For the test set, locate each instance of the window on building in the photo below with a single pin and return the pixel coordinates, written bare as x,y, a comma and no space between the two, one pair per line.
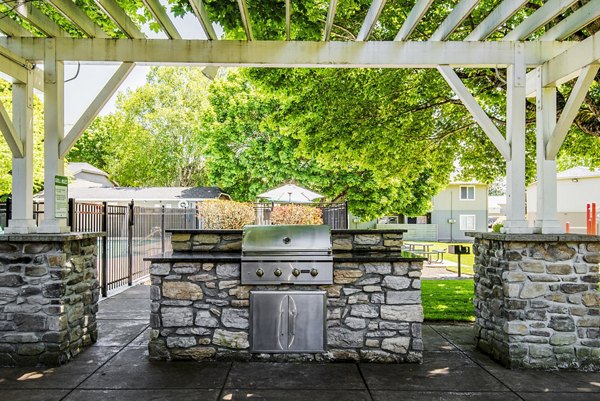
467,222
467,192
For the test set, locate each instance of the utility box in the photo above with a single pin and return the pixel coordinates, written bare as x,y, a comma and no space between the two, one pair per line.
459,249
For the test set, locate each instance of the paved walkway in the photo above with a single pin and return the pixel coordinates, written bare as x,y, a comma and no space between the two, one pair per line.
117,368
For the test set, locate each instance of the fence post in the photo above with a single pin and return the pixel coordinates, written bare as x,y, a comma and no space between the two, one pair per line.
104,272
130,245
346,218
71,218
162,228
8,209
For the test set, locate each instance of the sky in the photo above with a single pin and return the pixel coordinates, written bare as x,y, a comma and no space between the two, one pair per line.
80,92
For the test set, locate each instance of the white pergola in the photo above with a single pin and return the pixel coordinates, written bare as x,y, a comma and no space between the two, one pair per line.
534,66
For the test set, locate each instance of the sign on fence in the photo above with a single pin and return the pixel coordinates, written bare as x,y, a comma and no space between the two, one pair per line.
61,196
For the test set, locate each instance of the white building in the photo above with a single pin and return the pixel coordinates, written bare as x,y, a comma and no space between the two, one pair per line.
576,187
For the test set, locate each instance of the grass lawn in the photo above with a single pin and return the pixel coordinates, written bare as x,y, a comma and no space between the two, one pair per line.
466,261
448,300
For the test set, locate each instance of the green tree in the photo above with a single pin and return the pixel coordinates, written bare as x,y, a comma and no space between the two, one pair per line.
153,139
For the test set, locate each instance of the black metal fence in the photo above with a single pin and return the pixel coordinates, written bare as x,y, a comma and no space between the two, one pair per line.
135,232
334,214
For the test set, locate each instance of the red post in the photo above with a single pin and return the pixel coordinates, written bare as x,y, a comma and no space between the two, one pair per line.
568,227
588,219
594,226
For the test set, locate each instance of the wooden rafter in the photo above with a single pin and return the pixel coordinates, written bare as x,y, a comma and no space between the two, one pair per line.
202,16
79,18
414,17
574,22
120,17
160,15
497,17
11,28
535,21
245,19
456,17
38,19
370,20
329,20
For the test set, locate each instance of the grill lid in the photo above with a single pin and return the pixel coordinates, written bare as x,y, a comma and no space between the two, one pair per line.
286,238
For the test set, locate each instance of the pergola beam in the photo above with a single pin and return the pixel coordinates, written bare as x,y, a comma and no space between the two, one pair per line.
535,21
79,18
288,54
456,17
497,17
574,22
414,17
566,65
288,18
39,20
329,20
476,111
160,15
245,19
94,108
570,110
12,28
370,20
10,134
120,17
202,16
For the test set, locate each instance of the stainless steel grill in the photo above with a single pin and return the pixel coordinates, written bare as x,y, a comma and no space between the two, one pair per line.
287,254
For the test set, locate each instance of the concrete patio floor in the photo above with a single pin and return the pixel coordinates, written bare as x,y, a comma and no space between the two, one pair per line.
117,368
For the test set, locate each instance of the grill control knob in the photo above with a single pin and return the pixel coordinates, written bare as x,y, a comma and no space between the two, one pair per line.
260,272
296,272
314,272
278,272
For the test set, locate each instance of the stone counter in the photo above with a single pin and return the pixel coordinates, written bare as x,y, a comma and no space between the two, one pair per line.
48,297
201,311
536,301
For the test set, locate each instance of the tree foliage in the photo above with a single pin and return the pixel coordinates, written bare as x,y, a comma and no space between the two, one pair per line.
154,137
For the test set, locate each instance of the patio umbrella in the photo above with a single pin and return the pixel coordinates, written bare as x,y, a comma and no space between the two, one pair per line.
290,193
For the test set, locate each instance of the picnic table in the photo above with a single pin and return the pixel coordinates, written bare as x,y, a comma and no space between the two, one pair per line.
425,251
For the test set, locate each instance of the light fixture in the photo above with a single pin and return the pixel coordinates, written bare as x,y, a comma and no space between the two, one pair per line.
574,180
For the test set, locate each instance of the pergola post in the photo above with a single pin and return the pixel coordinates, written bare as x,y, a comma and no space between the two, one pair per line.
515,135
546,220
53,133
22,221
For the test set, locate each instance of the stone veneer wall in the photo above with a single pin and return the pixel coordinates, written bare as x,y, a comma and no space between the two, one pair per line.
201,311
48,297
537,301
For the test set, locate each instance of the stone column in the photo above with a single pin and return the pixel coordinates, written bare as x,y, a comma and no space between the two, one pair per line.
537,303
48,297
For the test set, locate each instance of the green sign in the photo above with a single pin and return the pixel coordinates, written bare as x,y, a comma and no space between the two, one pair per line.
61,196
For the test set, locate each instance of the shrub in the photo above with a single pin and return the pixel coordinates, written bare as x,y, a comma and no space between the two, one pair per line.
496,227
296,214
224,214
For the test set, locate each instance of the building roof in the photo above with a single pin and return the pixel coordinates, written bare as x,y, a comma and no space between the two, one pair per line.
578,172
77,167
144,194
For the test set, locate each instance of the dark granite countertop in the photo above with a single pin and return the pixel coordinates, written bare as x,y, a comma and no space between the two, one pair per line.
195,257
58,237
362,257
534,237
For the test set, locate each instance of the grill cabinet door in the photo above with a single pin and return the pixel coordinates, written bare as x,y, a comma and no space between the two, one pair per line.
306,322
287,321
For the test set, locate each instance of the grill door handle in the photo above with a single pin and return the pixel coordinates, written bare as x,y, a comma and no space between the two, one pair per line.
293,313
